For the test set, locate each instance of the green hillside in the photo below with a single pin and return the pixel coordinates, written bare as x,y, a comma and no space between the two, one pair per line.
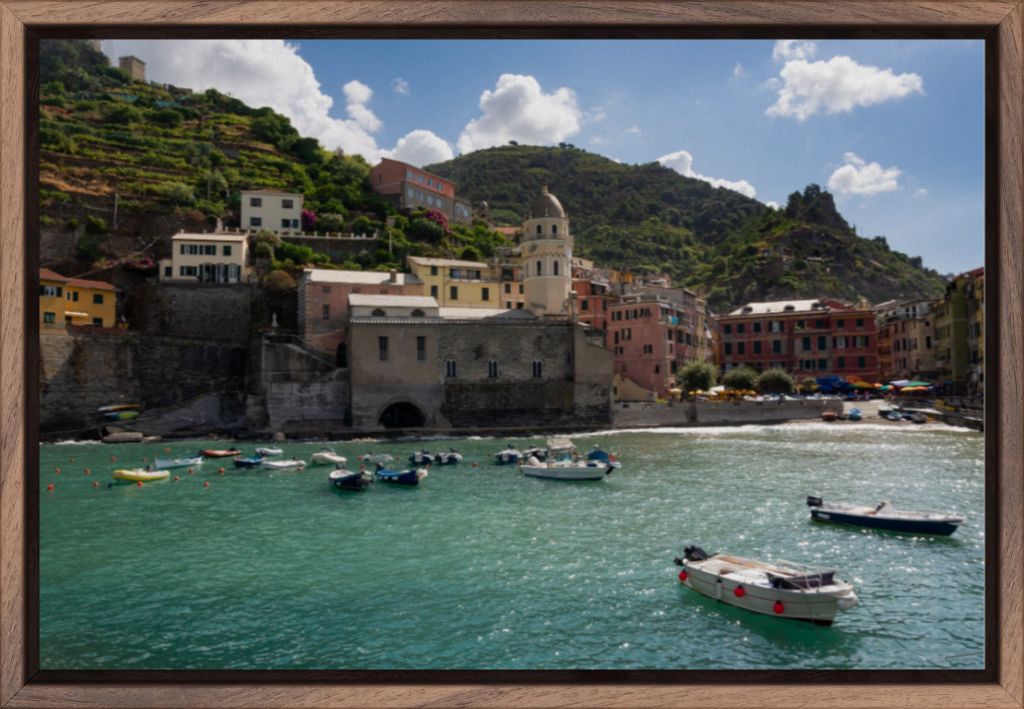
649,219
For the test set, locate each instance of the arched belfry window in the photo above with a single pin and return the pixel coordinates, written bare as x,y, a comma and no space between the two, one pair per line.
378,313
555,267
554,228
540,268
417,313
539,229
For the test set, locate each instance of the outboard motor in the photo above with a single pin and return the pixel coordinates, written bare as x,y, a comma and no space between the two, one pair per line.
814,501
695,553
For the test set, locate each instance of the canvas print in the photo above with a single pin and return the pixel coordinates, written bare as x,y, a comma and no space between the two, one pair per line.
423,354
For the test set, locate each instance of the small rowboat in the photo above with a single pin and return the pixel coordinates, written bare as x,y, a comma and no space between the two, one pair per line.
781,588
212,453
421,457
172,463
375,458
829,416
566,470
253,462
449,457
125,415
328,458
509,456
116,407
882,516
348,480
284,464
402,477
268,452
136,475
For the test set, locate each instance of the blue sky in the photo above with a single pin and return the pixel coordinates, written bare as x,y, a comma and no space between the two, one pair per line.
895,129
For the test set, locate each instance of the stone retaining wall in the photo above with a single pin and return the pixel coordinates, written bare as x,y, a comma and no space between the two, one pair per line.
705,413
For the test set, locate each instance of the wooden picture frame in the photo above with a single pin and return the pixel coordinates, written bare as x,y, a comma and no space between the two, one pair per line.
1000,23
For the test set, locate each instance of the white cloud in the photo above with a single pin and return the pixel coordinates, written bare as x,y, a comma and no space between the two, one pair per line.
682,162
737,70
421,147
400,86
863,178
635,130
595,114
786,49
262,72
837,86
518,109
921,192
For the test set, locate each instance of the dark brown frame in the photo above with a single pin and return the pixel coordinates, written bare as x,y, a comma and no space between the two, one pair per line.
23,22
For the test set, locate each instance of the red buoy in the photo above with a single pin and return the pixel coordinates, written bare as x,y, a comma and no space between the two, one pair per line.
778,607
190,471
206,483
683,576
176,478
138,483
50,487
220,470
740,592
95,483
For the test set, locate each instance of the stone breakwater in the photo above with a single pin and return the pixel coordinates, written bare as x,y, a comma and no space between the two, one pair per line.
715,413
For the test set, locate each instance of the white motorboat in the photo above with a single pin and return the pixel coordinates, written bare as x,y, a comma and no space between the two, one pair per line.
294,464
173,463
563,463
375,458
781,588
448,457
328,457
508,456
268,452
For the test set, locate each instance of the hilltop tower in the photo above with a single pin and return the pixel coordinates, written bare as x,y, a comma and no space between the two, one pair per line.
546,249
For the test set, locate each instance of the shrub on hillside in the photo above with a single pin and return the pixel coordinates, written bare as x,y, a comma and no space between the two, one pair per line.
167,117
122,115
278,282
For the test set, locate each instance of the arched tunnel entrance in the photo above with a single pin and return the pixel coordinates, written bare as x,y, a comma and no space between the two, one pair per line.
402,414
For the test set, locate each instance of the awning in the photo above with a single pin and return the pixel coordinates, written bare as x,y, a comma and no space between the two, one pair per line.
73,314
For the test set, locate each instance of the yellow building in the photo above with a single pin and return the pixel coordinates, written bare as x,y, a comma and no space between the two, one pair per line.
468,284
75,301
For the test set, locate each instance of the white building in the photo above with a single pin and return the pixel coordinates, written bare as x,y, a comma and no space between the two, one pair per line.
273,210
546,250
207,258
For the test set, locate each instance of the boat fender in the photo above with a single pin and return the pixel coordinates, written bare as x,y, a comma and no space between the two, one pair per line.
739,592
778,608
683,576
138,483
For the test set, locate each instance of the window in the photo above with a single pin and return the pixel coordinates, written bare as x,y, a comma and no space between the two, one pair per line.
861,362
417,313
485,294
822,364
255,202
56,291
326,312
168,271
727,329
492,369
740,328
433,270
554,228
757,347
326,289
450,369
287,204
822,342
648,349
382,344
72,296
421,348
453,292
806,344
255,221
519,306
50,318
227,250
756,326
97,322
97,299
819,323
776,346
842,363
378,313
540,268
188,271
728,348
840,323
520,289
433,291
538,369
508,305
860,323
286,223
741,348
555,268
508,287
539,231
584,305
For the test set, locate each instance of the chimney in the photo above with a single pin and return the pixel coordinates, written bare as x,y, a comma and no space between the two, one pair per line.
394,276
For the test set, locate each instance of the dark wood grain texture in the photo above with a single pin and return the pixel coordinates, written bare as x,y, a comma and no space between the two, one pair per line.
999,22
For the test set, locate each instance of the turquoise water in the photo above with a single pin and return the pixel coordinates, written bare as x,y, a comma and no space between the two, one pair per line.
483,568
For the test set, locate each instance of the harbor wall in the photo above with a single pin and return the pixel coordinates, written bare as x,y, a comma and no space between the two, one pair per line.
706,413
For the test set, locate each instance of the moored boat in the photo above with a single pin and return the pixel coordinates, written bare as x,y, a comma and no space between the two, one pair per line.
854,415
116,407
421,457
540,454
343,479
563,464
402,477
125,415
375,458
293,464
448,457
781,588
172,463
328,457
268,452
253,462
215,453
829,416
508,456
135,475
597,455
883,516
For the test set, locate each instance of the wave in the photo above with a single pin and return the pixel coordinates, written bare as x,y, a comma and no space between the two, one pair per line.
793,427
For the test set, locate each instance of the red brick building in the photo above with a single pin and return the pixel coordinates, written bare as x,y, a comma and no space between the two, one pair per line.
806,338
409,187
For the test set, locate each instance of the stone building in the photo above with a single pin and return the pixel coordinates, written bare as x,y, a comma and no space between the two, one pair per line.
906,340
133,67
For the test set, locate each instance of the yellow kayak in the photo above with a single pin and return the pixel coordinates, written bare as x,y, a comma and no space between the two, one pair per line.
140,475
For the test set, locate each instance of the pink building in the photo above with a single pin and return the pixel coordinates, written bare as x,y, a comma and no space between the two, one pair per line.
409,187
592,298
323,303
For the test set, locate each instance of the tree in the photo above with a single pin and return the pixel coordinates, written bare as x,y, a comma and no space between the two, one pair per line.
308,220
330,222
424,230
698,374
278,282
740,378
774,381
470,253
122,115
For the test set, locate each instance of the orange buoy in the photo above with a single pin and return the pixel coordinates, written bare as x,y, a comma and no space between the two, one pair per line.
138,483
176,478
86,472
206,483
50,487
57,470
190,471
95,483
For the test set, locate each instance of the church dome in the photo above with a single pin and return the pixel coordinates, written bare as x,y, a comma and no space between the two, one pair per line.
546,206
